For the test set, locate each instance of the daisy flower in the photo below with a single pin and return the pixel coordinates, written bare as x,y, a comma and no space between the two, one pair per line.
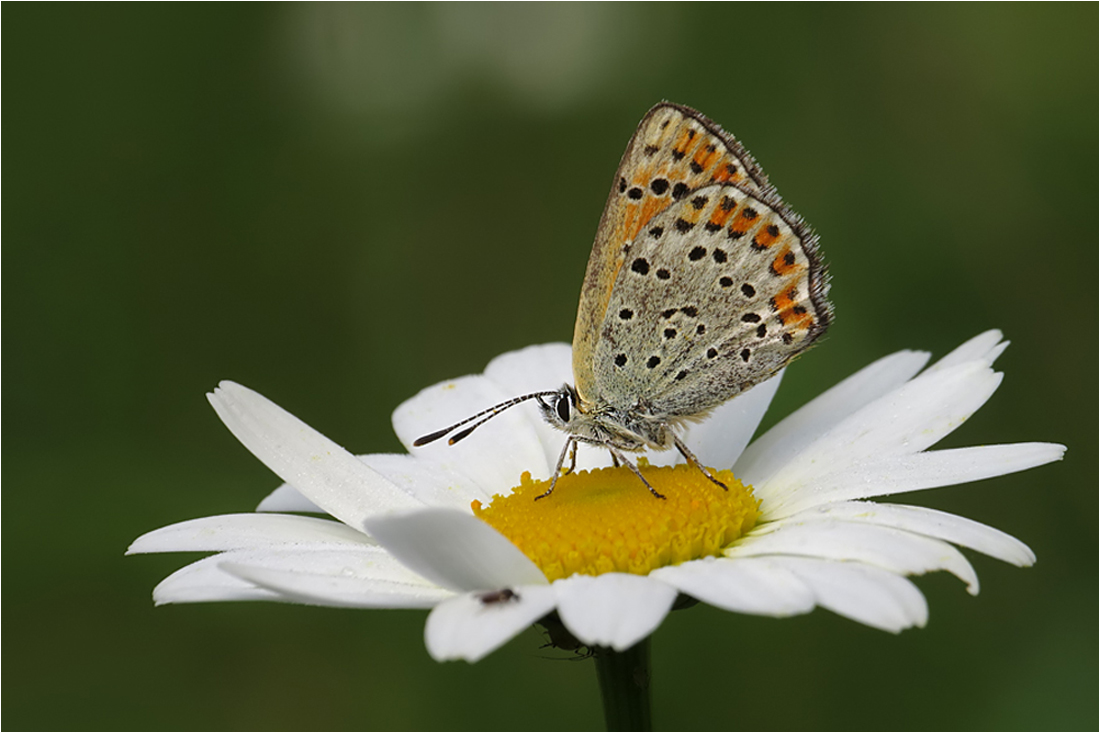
454,527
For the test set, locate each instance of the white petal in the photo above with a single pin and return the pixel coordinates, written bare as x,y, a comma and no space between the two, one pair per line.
899,474
863,593
325,473
238,531
719,440
791,435
433,484
203,581
614,609
993,354
892,549
494,456
358,576
344,589
929,522
467,627
533,369
908,420
745,585
983,347
455,550
286,498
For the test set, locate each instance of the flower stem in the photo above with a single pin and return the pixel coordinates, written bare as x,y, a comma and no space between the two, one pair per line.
624,686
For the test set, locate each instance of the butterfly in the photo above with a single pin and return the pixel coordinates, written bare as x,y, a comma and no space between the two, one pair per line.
701,284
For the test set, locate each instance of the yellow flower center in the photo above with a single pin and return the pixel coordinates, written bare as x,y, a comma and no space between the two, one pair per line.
606,521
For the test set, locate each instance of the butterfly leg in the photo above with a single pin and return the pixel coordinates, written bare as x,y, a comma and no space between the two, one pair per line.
623,459
695,462
614,459
572,459
570,444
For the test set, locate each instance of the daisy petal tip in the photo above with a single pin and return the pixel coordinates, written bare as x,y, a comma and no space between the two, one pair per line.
616,610
470,626
899,627
440,653
440,647
220,401
143,545
1025,557
997,350
228,385
218,393
993,337
445,650
166,594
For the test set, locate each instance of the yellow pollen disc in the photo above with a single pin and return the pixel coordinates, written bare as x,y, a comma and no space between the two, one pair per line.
607,521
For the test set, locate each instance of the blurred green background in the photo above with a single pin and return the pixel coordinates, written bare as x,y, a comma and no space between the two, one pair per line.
340,205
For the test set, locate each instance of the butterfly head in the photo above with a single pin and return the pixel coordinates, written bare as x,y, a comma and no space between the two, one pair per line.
567,411
560,408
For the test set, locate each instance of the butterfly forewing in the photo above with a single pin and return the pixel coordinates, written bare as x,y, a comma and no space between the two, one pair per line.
675,151
701,284
717,293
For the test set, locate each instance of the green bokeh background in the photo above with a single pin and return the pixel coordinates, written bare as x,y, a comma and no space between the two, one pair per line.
339,206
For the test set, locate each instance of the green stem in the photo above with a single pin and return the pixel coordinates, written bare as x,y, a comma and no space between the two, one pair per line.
624,686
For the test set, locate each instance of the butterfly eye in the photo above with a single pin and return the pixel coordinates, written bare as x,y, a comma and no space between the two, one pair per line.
562,407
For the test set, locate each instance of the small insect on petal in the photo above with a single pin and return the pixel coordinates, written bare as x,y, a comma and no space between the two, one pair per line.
493,597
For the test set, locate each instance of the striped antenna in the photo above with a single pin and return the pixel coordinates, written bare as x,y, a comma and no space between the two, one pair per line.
485,416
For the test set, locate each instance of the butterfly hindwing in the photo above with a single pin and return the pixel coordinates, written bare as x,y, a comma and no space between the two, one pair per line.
675,151
718,292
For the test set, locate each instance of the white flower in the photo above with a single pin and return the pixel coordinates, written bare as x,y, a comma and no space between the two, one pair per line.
406,535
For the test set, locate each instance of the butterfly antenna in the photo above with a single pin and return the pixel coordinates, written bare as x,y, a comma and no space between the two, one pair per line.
484,415
463,433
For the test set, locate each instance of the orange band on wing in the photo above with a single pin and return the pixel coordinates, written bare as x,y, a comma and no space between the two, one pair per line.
727,173
785,263
765,237
688,139
705,157
637,216
793,315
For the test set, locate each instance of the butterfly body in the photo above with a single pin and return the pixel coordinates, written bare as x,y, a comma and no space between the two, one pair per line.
701,284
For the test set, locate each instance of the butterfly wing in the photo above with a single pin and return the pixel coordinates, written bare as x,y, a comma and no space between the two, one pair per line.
718,293
675,150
